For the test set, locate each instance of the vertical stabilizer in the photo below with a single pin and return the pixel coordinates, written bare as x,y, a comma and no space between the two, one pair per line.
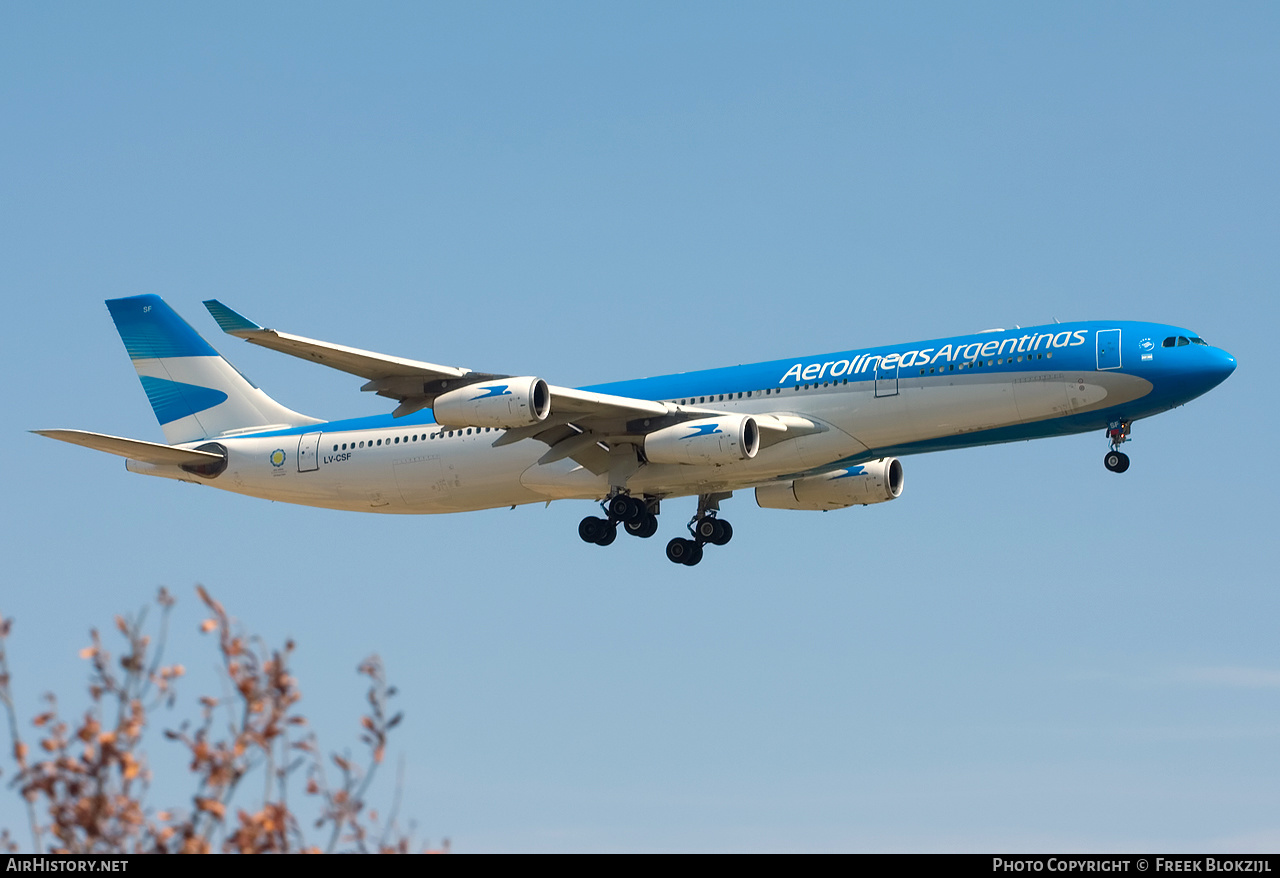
195,393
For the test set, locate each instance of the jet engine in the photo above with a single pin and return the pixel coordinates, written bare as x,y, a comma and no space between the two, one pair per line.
503,402
710,441
864,484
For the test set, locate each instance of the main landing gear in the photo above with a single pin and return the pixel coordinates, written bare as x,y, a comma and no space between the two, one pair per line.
705,527
1118,433
638,517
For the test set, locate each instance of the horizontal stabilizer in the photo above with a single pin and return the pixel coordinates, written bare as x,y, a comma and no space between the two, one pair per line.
134,449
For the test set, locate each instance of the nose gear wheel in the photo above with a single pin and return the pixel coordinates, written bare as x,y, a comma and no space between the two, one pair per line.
1117,434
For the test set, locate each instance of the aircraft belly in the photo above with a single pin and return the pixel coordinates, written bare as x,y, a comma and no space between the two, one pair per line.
875,421
928,409
469,475
1094,390
961,407
564,480
422,480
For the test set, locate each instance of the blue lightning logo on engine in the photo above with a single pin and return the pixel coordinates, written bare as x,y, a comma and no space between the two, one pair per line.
495,390
851,471
703,430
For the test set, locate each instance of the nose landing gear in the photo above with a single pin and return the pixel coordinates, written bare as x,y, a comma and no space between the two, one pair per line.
1118,433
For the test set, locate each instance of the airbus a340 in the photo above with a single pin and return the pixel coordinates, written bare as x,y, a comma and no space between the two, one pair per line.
813,432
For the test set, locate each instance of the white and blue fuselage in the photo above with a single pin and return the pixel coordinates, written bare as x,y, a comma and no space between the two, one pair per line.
872,403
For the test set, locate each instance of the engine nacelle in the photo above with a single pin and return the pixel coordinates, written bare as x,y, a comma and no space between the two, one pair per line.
502,402
708,442
866,483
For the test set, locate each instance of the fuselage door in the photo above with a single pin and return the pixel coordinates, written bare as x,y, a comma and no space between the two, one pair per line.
1108,349
308,452
887,379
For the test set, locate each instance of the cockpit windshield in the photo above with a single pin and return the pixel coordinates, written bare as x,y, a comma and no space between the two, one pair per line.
1180,340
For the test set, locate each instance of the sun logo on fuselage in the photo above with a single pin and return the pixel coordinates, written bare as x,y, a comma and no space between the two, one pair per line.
277,457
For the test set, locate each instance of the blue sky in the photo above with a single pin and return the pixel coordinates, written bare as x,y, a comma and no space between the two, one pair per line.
1024,652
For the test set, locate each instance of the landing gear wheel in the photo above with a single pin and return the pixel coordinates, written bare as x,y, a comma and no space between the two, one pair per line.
726,533
626,509
1116,461
646,527
591,528
597,530
695,556
682,551
610,534
715,531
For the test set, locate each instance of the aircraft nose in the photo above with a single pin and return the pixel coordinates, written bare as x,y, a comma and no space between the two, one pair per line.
1222,364
1216,365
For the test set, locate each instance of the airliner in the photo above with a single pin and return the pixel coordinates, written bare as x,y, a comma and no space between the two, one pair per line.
805,433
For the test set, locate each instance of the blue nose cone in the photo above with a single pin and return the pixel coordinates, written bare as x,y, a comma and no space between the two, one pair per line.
1208,368
1219,364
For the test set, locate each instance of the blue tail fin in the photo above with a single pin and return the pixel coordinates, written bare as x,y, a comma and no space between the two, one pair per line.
195,393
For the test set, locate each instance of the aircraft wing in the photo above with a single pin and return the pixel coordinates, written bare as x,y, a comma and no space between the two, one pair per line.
134,449
413,382
581,424
366,364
